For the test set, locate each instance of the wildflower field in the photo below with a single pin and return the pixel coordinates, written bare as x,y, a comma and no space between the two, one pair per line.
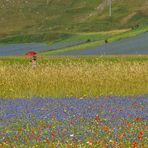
74,122
90,101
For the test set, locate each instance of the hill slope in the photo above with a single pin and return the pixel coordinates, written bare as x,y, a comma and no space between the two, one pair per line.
133,45
43,20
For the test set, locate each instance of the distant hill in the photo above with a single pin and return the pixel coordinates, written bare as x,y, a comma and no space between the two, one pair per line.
44,20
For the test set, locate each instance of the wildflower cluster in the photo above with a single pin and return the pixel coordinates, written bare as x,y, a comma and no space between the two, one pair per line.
102,121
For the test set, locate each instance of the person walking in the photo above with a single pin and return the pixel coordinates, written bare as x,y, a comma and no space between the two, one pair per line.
34,63
33,55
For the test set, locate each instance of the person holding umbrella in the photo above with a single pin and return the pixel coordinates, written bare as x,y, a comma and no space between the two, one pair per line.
33,55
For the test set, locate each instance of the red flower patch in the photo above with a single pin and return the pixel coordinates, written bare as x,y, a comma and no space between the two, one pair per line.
97,118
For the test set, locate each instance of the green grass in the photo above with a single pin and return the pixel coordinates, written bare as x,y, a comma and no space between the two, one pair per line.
74,76
37,21
37,37
65,60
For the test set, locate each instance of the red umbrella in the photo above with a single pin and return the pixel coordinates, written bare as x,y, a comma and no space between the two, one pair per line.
31,53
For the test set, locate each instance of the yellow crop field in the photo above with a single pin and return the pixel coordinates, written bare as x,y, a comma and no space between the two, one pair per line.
81,79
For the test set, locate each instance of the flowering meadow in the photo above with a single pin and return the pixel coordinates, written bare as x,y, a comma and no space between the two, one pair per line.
74,122
54,104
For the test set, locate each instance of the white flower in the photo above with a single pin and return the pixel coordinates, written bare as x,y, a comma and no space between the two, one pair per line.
71,135
110,140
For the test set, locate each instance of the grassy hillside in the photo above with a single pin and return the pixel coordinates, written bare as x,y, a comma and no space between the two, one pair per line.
44,20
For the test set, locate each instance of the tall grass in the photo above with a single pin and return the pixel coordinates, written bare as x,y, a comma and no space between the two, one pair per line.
75,79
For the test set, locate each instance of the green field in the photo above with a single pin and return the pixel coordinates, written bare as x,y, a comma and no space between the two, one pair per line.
74,76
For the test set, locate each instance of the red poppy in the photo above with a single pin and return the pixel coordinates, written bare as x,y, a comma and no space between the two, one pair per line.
141,133
52,134
115,142
119,137
129,125
97,118
134,143
137,119
139,137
